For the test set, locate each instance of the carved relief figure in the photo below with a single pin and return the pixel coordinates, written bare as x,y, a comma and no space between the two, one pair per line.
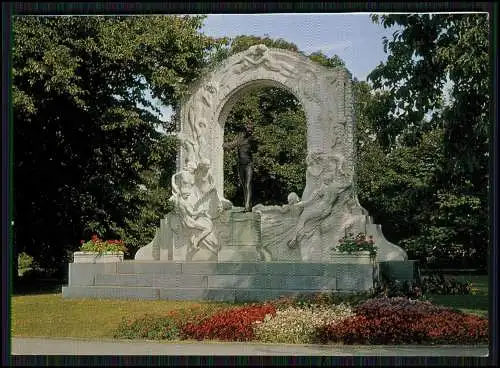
259,55
208,199
309,86
316,209
208,94
198,127
192,206
191,148
293,207
315,167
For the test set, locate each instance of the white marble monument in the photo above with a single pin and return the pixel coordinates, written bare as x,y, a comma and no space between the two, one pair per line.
204,226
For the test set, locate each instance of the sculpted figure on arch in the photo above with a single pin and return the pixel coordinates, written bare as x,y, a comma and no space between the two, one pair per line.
196,204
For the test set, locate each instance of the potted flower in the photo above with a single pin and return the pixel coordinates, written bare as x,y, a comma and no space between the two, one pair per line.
97,250
352,247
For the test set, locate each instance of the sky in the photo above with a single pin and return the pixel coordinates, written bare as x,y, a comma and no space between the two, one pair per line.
352,36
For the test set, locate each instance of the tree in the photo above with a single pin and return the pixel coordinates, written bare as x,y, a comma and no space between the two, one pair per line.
85,135
443,144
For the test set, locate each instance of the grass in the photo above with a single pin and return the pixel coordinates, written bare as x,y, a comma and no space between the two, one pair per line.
46,314
474,304
49,315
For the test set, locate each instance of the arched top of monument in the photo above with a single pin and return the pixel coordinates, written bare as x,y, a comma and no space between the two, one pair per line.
290,57
324,93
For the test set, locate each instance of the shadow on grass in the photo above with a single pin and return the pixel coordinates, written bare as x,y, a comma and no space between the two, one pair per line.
37,286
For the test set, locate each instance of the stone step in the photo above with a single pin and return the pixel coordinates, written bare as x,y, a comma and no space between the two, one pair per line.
150,293
219,281
230,268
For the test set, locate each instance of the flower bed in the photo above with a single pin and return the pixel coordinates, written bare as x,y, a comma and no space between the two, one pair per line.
234,324
405,321
374,321
295,325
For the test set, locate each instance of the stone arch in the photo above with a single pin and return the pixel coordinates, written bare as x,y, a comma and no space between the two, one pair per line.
325,95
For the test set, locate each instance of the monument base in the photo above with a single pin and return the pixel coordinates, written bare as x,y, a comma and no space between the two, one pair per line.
245,242
218,281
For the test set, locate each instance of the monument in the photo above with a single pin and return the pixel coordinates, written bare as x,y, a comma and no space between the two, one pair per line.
226,252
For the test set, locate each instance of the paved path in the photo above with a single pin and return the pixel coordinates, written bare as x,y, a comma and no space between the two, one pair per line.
43,346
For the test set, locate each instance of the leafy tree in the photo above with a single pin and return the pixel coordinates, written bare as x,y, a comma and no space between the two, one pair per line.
85,135
431,150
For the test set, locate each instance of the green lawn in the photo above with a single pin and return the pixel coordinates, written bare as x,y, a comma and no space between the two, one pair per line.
49,315
474,304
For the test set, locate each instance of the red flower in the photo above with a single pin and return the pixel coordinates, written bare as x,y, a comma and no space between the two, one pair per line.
82,241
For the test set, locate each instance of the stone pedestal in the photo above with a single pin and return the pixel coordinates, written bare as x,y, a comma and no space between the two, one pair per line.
219,281
245,240
95,257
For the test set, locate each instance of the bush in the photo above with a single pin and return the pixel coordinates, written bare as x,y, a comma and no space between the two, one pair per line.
384,307
149,327
167,327
298,325
438,284
432,284
405,321
24,262
234,324
396,288
322,299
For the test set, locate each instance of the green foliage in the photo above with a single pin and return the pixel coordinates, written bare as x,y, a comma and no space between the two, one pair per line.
243,42
148,327
438,284
85,132
422,168
25,261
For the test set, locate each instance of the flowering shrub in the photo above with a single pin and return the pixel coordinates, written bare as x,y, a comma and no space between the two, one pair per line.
298,325
359,243
405,321
384,307
166,327
234,324
96,244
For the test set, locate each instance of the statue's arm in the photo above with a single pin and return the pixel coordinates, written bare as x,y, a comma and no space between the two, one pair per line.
175,188
230,145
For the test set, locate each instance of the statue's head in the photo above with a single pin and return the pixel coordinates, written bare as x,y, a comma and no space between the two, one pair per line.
247,126
293,198
203,166
190,167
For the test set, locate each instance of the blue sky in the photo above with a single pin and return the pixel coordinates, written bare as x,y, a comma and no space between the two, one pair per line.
353,37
